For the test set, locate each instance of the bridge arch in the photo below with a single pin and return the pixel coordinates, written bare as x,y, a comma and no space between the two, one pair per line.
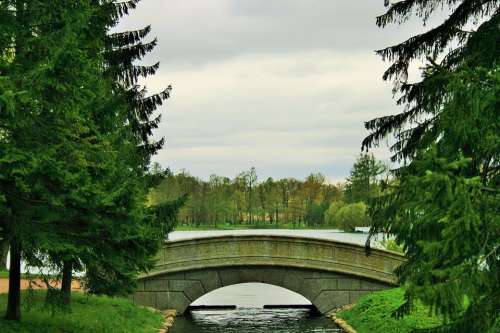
327,273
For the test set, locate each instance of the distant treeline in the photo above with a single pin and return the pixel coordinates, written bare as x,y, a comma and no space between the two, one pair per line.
287,202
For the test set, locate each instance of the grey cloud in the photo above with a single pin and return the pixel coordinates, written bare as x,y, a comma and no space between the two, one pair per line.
199,32
282,85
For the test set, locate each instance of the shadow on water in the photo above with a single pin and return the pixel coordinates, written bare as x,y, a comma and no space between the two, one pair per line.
253,320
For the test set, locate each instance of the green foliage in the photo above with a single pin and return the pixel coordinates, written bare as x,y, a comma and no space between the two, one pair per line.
166,214
443,206
75,143
444,209
315,214
363,183
347,216
332,211
350,216
391,245
221,202
450,41
372,314
90,314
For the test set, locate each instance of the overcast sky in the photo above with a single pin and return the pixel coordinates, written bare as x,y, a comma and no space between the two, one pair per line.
281,85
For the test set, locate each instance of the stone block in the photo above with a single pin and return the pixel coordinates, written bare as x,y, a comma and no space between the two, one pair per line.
327,300
162,300
140,285
194,291
293,280
178,301
369,285
209,279
273,276
145,298
311,288
347,284
250,274
356,294
229,276
159,284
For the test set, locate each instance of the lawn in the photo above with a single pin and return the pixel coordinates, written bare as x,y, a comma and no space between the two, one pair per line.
372,314
88,314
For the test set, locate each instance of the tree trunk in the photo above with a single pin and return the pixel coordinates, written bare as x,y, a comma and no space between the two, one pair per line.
14,297
67,277
4,252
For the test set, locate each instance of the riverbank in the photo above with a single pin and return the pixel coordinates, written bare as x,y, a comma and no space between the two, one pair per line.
89,314
372,314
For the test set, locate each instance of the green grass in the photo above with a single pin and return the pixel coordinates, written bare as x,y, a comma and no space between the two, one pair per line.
89,314
372,314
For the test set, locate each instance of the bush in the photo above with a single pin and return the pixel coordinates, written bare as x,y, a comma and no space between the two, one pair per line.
347,216
334,207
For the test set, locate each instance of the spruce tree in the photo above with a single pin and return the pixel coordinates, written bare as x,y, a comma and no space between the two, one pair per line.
443,205
446,47
363,185
74,142
44,143
129,249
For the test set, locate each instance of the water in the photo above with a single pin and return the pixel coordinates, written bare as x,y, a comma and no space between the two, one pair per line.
253,320
249,316
348,237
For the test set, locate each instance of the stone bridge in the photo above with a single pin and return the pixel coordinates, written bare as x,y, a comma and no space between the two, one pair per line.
326,272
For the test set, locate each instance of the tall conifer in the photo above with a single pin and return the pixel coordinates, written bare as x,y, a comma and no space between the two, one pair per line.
74,143
443,208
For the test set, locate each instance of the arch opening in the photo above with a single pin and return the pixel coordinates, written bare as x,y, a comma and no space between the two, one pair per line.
251,295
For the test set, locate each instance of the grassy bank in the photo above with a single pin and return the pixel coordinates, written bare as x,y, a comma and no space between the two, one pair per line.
89,314
372,314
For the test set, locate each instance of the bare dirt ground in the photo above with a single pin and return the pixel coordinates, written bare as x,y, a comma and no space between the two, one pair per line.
36,284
